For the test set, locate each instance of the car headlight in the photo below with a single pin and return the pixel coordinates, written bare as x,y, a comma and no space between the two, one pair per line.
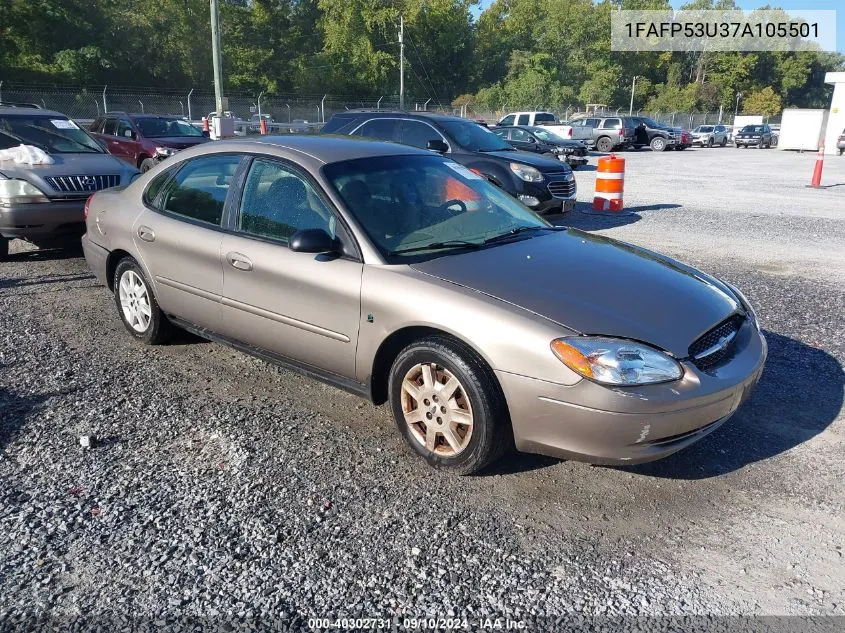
13,191
165,151
612,361
526,172
745,304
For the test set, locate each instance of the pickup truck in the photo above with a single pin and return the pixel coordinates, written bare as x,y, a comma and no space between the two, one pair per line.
543,119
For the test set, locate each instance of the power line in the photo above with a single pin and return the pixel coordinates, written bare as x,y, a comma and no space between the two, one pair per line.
419,58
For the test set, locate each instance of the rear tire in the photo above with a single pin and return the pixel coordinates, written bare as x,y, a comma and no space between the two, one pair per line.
724,141
146,165
137,305
604,144
773,142
658,144
468,427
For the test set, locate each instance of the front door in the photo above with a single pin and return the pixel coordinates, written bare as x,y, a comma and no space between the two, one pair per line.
178,236
523,140
301,306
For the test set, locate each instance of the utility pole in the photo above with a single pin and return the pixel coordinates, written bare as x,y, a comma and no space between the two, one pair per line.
401,62
215,54
633,87
736,110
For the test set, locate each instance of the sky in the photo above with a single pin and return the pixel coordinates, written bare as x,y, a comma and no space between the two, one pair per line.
837,5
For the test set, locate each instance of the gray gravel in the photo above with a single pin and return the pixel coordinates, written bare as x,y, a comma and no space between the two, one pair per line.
219,487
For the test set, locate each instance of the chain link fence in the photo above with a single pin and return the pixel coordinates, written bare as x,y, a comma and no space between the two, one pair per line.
87,102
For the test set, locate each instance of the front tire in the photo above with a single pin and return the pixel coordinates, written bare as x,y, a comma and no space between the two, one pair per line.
658,144
710,142
146,165
448,405
137,305
724,141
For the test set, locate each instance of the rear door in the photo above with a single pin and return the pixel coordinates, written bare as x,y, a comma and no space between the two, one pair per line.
178,236
418,133
302,306
109,136
382,128
523,119
126,140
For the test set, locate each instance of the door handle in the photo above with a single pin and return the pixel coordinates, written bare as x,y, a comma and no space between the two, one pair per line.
239,261
146,234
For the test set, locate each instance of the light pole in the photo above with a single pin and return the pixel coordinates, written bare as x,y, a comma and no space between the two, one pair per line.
260,94
736,111
216,58
425,105
189,104
287,105
633,87
401,62
323,107
142,106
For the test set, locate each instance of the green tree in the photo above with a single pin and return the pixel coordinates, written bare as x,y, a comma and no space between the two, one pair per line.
766,102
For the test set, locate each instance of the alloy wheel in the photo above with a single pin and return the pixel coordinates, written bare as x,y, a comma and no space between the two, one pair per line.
135,301
437,409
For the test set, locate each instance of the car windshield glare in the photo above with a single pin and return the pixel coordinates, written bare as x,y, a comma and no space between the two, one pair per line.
423,204
704,128
546,135
473,137
52,133
159,127
752,129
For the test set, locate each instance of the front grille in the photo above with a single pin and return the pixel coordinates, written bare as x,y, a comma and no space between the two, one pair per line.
82,184
562,188
715,346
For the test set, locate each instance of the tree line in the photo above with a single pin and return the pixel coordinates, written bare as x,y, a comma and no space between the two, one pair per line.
514,53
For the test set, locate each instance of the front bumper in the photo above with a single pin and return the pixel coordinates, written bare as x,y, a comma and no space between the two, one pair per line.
55,219
748,141
538,196
629,425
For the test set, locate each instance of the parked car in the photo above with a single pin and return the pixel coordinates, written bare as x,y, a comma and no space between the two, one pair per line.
754,135
254,125
684,138
544,184
537,119
404,277
143,140
650,133
710,135
543,141
43,203
605,133
840,144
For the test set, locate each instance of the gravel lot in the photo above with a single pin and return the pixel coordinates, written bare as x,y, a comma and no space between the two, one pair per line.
222,487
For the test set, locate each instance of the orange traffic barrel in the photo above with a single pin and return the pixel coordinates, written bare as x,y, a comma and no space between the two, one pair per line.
205,126
610,182
262,126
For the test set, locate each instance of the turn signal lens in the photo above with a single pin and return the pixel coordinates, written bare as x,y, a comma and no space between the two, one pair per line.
612,361
572,358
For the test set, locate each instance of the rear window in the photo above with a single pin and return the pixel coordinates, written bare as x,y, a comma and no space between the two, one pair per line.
544,117
337,122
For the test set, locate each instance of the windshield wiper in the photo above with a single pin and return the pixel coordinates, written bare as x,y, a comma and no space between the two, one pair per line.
24,141
519,230
437,246
507,148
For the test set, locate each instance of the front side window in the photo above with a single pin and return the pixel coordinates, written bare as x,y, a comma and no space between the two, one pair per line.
473,137
383,129
124,130
418,134
159,127
508,120
110,127
97,125
417,204
521,136
277,202
199,189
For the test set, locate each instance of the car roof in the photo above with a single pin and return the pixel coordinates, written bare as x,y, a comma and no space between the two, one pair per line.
25,111
404,113
325,148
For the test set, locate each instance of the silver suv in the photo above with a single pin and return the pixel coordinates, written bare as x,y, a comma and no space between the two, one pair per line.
44,203
710,135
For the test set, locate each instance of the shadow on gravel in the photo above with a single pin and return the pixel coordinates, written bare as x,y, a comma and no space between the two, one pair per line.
14,410
514,463
581,218
799,395
43,280
46,254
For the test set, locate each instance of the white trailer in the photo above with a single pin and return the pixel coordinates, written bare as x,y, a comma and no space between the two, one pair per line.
801,129
742,120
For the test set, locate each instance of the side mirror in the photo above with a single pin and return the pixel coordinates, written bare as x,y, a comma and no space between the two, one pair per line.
437,146
314,241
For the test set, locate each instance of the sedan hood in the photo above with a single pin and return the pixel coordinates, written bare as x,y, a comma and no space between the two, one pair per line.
529,158
595,285
67,165
179,142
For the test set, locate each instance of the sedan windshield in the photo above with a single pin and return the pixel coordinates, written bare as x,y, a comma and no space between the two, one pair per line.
546,135
158,127
418,204
752,129
52,133
475,138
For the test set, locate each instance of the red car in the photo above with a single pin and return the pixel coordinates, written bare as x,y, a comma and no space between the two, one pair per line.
142,140
684,139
